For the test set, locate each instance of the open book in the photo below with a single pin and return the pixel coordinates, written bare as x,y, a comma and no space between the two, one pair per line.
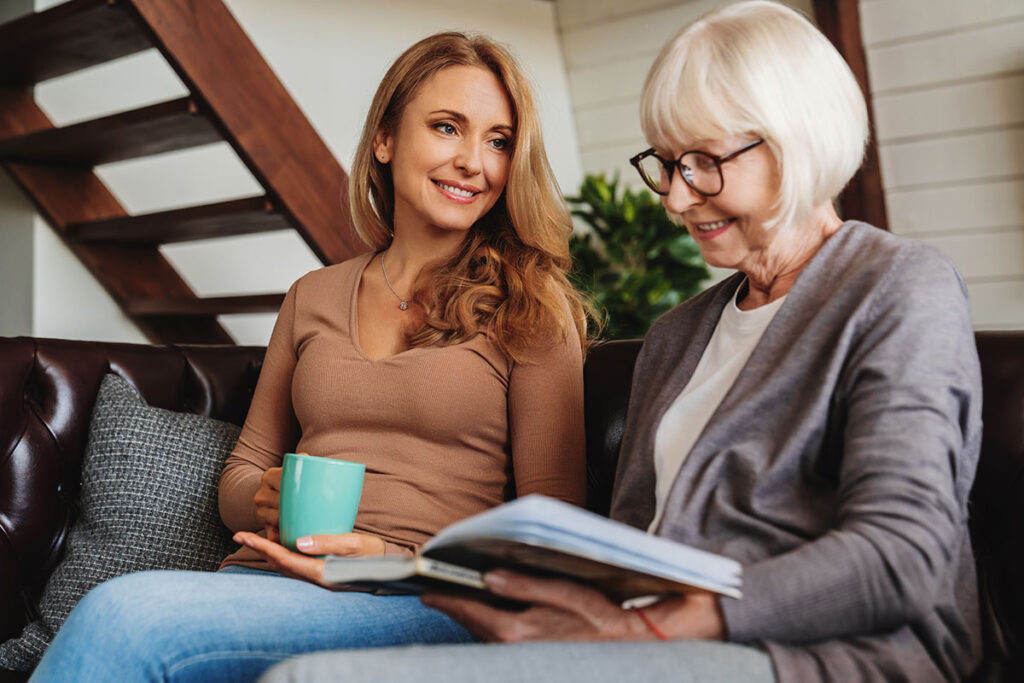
543,536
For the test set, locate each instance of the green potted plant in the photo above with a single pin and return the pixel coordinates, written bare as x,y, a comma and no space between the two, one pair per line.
635,262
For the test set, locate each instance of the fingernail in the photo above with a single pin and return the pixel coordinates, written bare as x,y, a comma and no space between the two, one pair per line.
304,543
495,579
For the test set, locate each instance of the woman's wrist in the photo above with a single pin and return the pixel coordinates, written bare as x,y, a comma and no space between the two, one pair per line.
696,616
651,628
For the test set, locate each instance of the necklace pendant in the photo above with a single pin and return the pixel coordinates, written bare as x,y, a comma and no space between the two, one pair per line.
404,305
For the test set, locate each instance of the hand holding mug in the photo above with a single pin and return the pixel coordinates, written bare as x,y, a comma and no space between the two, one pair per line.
318,496
310,506
307,564
268,502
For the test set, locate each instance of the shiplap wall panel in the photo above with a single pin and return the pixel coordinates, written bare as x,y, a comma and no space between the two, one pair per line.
612,123
575,14
610,159
948,84
962,207
986,103
997,305
983,255
992,155
630,36
898,21
608,82
950,57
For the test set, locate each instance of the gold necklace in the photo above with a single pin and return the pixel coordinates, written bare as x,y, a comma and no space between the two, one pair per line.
402,302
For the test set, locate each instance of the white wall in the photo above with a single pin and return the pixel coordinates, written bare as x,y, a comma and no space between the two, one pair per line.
16,228
330,55
948,85
16,225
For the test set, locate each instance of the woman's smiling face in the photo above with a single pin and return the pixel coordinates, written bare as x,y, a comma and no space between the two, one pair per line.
729,227
451,154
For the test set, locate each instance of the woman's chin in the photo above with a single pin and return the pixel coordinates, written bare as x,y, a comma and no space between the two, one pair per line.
716,259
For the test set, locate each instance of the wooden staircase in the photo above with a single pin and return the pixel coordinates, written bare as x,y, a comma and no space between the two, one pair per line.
233,96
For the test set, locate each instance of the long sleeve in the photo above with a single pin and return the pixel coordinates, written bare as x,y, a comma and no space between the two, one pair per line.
907,396
270,430
442,430
545,407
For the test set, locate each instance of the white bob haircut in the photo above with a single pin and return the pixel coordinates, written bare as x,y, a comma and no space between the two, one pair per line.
760,68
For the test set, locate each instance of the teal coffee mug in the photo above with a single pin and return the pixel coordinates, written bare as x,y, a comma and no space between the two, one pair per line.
318,496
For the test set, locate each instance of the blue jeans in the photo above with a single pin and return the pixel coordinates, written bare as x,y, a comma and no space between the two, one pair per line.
230,625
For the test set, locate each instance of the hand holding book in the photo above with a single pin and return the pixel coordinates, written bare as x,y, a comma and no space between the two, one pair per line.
546,537
565,610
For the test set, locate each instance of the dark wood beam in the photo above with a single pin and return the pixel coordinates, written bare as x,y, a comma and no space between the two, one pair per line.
65,38
158,128
223,219
214,57
219,305
864,198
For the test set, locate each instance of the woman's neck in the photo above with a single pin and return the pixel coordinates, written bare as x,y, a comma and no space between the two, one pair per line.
409,254
773,274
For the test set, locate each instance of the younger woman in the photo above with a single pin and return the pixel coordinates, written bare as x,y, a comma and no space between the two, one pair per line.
448,360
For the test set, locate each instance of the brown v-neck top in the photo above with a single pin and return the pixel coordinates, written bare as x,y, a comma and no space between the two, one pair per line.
444,432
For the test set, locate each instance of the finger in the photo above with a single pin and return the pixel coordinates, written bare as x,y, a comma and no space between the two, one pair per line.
555,592
272,478
267,497
482,620
283,560
272,533
269,516
346,545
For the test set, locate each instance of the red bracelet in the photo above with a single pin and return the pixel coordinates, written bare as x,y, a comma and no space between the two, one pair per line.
650,624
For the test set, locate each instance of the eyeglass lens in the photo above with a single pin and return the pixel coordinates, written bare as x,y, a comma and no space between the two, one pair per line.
699,170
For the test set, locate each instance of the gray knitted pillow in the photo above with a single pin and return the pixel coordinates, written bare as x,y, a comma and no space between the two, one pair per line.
149,501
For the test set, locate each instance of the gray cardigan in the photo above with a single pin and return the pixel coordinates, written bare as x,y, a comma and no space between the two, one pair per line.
837,467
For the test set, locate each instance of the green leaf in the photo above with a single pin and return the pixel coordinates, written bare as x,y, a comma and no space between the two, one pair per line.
635,264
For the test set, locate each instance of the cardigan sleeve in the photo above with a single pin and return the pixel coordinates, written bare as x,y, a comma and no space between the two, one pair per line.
908,398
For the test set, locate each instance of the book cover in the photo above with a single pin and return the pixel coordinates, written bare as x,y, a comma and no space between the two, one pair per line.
542,536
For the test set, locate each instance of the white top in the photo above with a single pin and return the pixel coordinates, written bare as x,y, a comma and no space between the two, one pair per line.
732,342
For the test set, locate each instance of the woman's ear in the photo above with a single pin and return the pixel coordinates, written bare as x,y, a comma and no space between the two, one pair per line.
382,147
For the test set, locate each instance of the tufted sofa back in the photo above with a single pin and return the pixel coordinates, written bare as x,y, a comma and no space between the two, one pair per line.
47,389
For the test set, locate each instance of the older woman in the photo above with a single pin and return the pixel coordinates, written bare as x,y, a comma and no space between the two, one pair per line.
815,416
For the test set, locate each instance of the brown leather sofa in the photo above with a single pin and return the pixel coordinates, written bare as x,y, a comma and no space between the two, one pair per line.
47,388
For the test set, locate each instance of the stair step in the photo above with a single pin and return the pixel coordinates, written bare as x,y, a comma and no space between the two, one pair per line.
212,55
164,127
223,219
66,38
219,305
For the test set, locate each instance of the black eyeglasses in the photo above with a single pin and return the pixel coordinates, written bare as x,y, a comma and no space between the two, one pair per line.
702,171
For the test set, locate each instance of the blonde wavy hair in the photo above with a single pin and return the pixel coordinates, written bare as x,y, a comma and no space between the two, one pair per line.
509,277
